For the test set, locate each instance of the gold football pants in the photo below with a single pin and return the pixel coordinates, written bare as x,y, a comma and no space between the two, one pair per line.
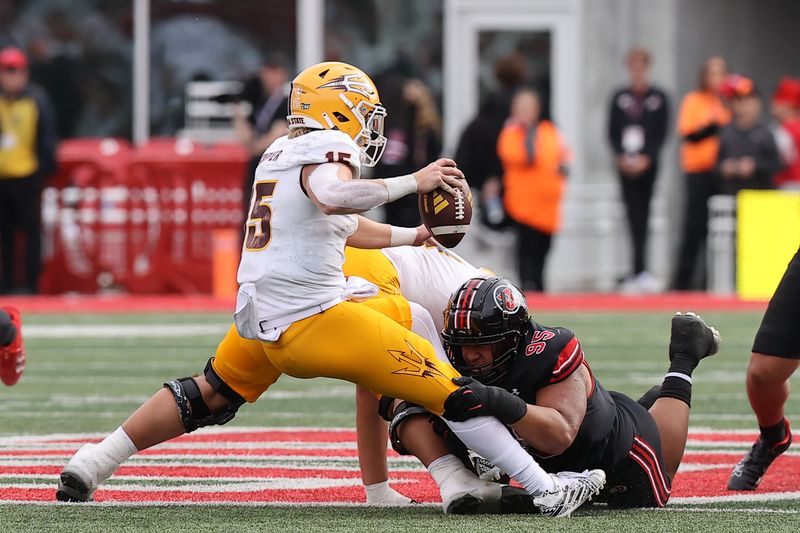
349,341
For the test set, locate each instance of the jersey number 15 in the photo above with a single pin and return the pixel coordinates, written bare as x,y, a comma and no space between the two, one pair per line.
259,231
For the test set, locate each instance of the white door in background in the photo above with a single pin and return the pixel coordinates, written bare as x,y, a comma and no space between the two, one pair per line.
545,31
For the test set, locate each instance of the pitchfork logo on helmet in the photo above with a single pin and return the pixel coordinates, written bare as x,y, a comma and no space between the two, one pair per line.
351,83
338,96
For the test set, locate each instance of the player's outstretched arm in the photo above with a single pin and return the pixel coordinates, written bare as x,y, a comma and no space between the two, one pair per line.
332,188
372,235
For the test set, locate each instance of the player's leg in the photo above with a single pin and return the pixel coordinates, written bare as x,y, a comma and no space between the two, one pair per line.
775,356
371,430
372,436
640,479
460,489
768,387
12,348
373,351
691,340
182,406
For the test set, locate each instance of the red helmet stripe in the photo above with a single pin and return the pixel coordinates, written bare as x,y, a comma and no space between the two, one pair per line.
463,306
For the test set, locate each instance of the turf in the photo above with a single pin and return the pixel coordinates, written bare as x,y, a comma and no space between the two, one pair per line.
91,384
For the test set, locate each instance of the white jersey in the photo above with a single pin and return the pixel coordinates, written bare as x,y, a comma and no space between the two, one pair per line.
292,257
429,275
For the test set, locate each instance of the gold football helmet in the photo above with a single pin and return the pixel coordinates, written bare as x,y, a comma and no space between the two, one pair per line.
338,96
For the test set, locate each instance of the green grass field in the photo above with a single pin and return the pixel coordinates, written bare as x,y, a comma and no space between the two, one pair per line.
91,383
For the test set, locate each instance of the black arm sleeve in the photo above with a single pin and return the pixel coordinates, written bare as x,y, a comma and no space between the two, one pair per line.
703,133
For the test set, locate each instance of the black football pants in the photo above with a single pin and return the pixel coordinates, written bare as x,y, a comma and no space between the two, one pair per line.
20,210
637,194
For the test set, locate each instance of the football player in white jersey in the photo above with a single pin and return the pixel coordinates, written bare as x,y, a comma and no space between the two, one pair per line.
294,311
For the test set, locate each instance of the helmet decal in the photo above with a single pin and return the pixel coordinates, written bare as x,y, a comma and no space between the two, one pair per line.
507,298
350,83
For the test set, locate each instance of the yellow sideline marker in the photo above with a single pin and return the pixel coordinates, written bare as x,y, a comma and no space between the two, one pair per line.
768,234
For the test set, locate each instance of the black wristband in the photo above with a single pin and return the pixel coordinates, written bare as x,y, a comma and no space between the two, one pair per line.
506,407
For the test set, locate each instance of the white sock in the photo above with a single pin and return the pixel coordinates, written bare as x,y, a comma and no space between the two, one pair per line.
444,467
423,325
382,494
490,439
118,446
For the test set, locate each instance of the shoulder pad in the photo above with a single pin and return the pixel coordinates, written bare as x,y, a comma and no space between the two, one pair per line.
329,146
569,358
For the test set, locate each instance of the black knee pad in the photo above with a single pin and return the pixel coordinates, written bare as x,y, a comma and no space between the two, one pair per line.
403,411
386,407
193,409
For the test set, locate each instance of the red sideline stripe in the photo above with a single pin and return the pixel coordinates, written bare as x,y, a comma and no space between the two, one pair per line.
536,301
120,303
671,301
782,476
724,437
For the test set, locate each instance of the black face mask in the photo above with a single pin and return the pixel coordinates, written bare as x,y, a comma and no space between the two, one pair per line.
504,353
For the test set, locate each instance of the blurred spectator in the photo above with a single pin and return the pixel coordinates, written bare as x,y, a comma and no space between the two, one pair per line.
748,157
786,111
268,97
477,154
56,73
414,137
27,157
700,118
636,128
533,156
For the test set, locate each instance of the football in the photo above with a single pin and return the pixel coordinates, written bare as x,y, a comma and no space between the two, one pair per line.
445,216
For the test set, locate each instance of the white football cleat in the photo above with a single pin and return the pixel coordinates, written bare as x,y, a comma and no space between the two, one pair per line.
573,489
89,467
464,493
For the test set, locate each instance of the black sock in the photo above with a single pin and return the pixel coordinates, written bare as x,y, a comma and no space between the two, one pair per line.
774,434
682,364
678,388
678,381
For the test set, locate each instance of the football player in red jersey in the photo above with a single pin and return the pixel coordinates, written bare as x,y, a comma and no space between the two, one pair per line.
12,349
535,379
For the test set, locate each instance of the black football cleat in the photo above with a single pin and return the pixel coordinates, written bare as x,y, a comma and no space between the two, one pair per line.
72,489
692,337
748,472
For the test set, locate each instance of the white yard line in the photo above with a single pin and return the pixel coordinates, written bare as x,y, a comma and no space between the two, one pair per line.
759,497
71,331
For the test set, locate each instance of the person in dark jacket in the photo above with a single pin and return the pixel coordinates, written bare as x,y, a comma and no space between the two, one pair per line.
477,153
27,157
268,97
636,129
748,156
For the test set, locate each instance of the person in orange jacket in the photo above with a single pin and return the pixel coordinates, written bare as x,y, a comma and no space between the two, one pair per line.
533,155
700,118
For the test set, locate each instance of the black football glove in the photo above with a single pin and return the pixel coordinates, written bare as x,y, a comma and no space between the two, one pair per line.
476,399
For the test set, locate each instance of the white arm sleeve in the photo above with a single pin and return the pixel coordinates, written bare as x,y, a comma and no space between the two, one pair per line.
351,194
